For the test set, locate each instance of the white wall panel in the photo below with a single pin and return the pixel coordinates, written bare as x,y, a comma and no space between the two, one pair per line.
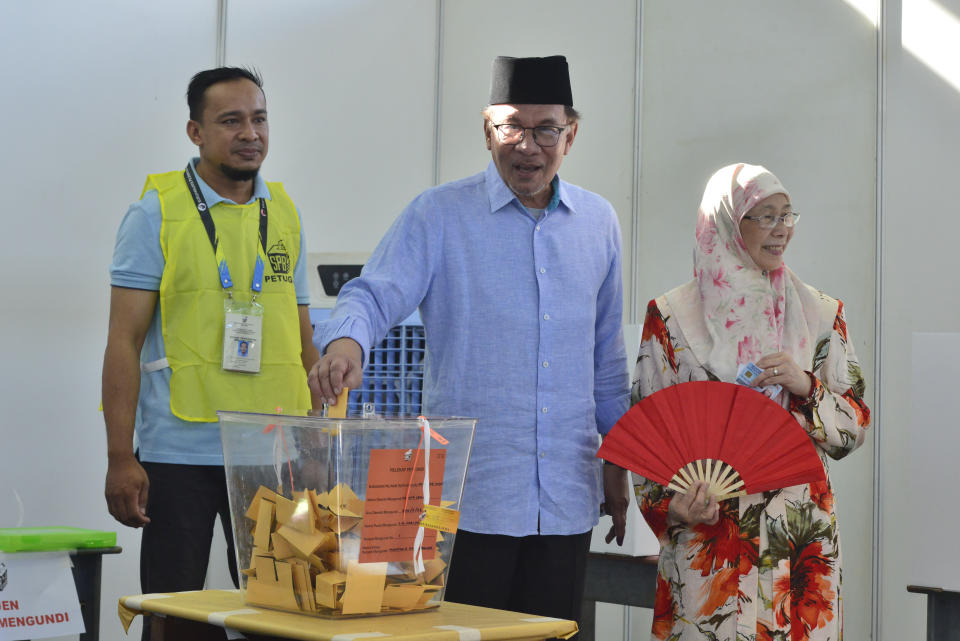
920,290
350,91
599,41
93,100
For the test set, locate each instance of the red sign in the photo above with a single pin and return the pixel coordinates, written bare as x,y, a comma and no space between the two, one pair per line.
394,504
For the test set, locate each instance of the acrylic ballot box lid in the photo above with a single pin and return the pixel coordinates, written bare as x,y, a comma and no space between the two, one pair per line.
43,539
344,517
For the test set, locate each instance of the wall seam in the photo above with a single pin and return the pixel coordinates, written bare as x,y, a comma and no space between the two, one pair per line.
634,315
437,87
877,553
221,33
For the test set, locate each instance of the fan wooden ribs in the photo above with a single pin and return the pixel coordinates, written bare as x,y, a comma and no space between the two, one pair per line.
724,481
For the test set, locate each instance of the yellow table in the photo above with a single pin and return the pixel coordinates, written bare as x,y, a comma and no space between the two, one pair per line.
449,622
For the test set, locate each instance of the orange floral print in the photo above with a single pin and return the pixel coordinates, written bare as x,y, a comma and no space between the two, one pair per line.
664,609
821,495
803,596
655,514
722,586
654,327
840,323
718,545
812,594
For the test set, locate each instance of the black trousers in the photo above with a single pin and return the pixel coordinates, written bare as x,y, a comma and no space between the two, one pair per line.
540,574
183,503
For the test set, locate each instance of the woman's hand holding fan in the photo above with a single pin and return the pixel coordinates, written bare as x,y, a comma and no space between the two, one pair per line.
694,507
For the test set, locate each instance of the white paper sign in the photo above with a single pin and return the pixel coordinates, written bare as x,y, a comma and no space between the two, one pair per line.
38,598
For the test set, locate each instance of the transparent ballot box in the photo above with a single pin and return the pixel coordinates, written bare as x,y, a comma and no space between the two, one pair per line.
329,514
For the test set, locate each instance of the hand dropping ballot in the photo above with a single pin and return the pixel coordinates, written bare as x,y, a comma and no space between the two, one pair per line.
748,372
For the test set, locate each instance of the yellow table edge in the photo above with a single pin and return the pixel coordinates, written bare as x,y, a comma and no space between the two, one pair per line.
449,622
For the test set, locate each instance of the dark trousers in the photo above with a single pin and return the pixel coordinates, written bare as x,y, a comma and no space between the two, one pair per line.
183,503
540,574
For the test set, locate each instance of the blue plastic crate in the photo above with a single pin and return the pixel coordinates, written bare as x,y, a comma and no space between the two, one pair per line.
393,377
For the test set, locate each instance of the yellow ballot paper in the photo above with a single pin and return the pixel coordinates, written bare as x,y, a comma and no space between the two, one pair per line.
329,589
262,493
365,583
264,527
404,596
304,544
339,409
434,569
281,549
297,514
273,586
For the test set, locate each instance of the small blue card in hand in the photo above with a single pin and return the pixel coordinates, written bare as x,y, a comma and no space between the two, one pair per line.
748,372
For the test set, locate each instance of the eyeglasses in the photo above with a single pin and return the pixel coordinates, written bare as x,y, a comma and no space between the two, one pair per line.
769,221
544,135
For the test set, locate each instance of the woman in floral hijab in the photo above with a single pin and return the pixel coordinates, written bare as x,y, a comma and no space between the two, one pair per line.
764,566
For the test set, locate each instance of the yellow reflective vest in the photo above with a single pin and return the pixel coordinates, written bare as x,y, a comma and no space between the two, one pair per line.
191,303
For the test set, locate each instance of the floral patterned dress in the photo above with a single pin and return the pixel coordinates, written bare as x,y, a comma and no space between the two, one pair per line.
770,568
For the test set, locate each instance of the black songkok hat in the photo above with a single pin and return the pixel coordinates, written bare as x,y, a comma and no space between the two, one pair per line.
531,81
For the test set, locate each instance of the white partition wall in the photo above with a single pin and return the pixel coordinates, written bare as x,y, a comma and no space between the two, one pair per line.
920,295
351,99
93,99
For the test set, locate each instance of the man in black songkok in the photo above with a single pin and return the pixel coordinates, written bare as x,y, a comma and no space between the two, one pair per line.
517,276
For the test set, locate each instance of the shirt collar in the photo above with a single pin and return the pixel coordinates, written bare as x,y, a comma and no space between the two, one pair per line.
260,189
500,194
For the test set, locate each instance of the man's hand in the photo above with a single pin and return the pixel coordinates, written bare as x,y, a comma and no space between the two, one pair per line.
126,491
131,311
616,499
340,366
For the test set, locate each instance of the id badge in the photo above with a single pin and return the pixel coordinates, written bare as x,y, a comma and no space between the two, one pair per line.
242,336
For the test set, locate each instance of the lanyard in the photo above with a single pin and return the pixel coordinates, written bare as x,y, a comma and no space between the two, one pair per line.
256,283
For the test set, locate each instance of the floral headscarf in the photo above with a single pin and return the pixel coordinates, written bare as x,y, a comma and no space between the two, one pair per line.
742,312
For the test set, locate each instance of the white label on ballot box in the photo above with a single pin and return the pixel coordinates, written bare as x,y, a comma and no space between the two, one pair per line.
38,598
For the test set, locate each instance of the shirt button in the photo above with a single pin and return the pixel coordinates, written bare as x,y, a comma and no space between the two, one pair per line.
546,363
543,455
543,270
543,409
546,317
538,227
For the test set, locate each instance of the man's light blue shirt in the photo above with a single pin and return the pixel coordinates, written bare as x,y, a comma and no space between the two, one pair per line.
523,331
138,263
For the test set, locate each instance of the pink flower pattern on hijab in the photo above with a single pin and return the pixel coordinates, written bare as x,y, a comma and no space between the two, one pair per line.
745,310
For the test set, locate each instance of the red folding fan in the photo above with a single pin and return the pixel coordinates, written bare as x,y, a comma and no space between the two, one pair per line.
731,436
